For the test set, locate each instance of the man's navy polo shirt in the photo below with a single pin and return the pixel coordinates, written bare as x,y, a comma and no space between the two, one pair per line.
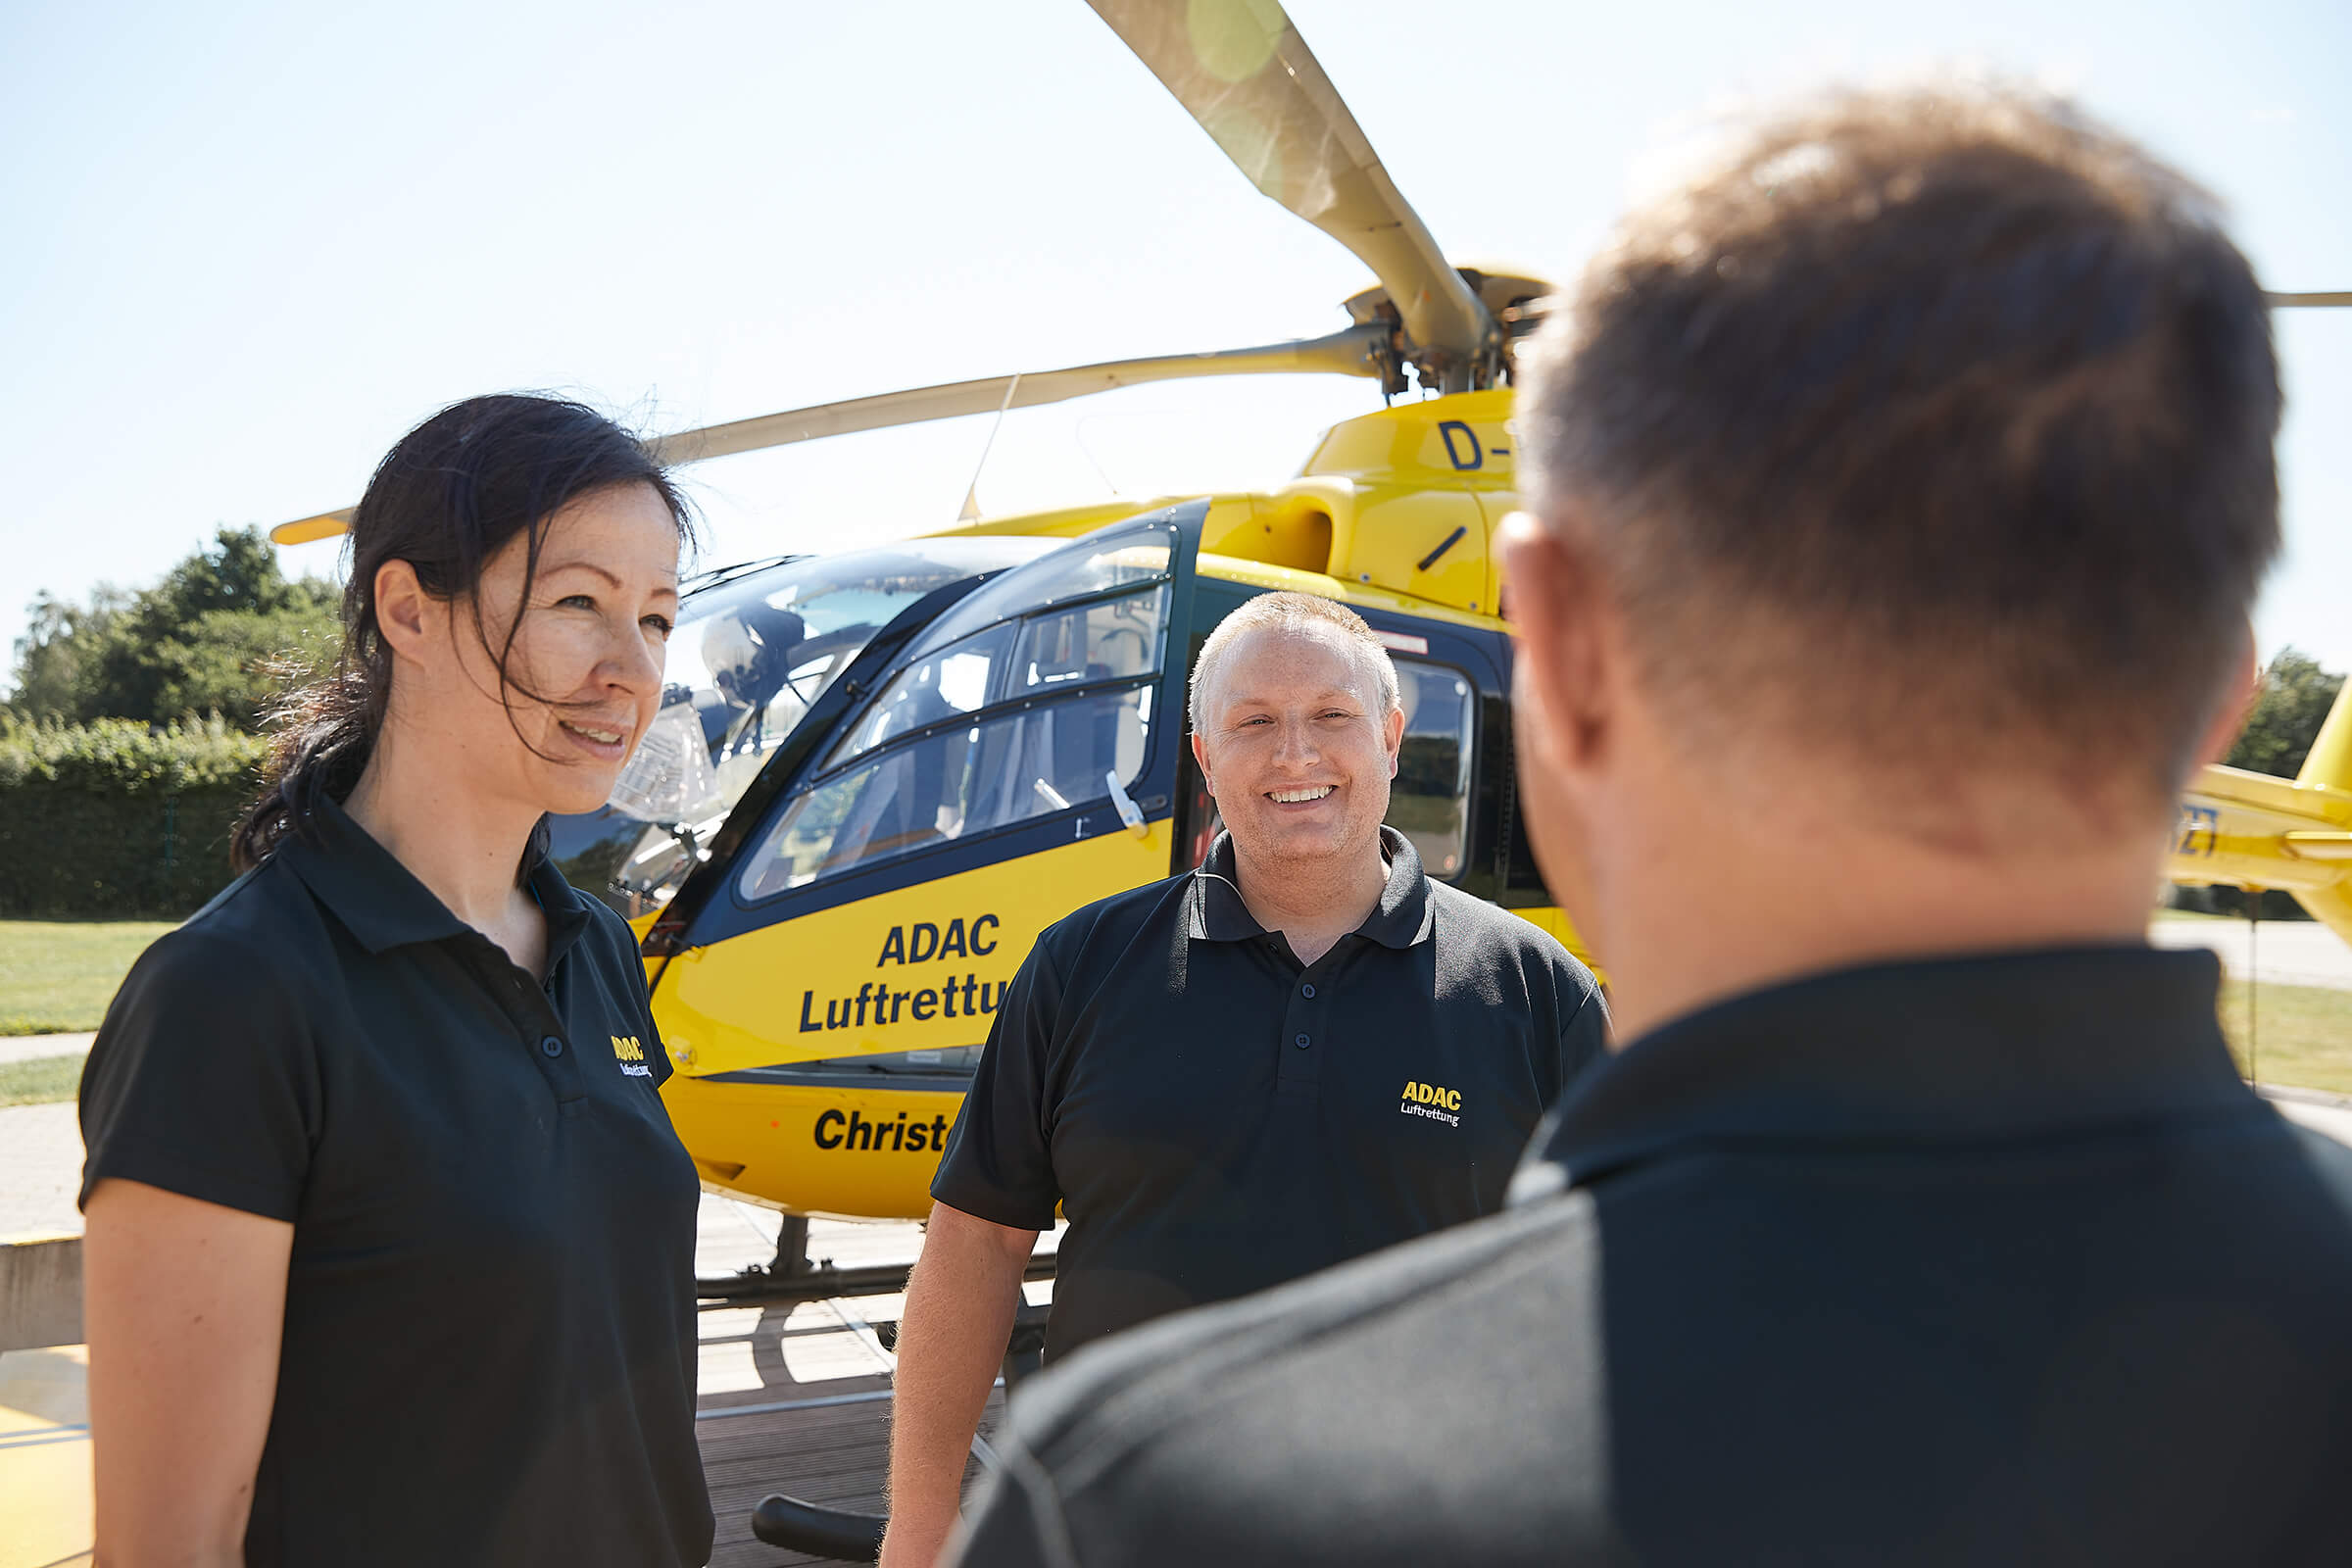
1214,1118
490,1341
1989,1260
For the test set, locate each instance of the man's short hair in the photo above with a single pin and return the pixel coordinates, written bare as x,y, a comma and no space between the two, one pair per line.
1934,424
1297,614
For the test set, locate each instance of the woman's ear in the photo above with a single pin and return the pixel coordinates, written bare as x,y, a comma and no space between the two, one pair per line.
406,616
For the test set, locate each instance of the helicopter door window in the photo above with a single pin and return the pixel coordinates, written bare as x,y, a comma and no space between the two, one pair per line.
1096,565
957,679
1112,639
1429,802
945,785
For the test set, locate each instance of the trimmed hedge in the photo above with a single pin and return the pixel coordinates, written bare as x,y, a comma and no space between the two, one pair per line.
115,820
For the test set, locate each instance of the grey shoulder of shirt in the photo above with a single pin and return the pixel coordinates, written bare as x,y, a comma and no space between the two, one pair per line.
1115,1397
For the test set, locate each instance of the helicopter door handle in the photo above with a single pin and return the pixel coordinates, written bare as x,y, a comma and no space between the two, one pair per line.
1129,812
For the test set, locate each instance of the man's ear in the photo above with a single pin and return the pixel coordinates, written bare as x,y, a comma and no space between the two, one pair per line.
1395,738
1208,779
1561,616
406,616
2229,717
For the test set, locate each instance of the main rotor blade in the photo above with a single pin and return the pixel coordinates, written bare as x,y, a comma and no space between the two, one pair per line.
1353,352
2278,300
1240,68
1356,351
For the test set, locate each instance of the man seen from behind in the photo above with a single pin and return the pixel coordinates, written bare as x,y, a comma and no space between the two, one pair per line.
1900,490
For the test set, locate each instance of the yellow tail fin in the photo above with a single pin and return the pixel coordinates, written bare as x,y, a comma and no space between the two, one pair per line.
2330,762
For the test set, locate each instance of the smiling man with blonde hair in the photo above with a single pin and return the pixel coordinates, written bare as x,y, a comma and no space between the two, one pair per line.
1301,1052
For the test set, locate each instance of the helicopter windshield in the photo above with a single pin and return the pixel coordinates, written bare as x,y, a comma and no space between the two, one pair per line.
753,650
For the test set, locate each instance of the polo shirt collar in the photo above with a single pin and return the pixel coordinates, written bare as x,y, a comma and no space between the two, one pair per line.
380,901
1401,919
1959,1049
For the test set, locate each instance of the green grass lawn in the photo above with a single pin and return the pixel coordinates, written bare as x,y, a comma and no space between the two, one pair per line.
42,1081
57,976
2302,1035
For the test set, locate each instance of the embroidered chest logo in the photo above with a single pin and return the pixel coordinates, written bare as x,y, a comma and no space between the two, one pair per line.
1428,1100
631,1056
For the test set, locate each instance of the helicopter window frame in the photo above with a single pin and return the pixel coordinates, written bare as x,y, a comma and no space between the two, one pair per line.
879,757
1161,590
961,621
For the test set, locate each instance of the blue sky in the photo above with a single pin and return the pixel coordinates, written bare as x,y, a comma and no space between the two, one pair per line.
251,244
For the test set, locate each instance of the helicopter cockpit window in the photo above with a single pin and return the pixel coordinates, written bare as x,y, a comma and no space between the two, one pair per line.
1081,643
1429,802
957,679
1020,764
754,651
1111,639
1016,704
1096,565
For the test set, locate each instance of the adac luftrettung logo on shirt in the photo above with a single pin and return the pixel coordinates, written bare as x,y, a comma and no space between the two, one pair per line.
1438,1104
630,1054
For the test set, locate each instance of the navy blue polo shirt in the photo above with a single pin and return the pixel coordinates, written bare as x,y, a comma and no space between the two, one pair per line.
1214,1117
1983,1261
490,1341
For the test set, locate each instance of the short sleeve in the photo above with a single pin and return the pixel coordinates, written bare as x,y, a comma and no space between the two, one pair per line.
998,1165
204,1080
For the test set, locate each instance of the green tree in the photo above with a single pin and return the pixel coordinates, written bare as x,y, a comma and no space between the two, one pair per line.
2296,695
59,656
221,633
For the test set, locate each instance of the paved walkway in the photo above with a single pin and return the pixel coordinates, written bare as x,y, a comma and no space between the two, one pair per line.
2327,1113
26,1047
2283,953
40,1170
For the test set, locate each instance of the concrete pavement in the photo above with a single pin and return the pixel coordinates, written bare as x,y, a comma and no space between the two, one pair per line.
28,1047
2280,952
40,1170
2326,1114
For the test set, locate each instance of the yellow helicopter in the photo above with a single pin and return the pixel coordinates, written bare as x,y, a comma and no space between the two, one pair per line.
877,775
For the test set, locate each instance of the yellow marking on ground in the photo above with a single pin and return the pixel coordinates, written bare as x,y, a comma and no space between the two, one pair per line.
45,1459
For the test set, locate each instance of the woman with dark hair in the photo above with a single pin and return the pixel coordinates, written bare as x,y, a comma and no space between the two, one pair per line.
389,1252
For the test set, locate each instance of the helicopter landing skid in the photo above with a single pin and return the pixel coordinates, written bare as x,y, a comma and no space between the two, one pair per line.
793,1277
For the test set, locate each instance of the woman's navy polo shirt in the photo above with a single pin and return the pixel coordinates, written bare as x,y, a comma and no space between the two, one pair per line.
489,1351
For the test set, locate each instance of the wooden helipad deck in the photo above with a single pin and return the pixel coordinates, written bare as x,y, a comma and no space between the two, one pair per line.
796,1400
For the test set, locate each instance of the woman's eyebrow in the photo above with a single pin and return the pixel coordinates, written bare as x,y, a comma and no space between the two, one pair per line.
590,565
